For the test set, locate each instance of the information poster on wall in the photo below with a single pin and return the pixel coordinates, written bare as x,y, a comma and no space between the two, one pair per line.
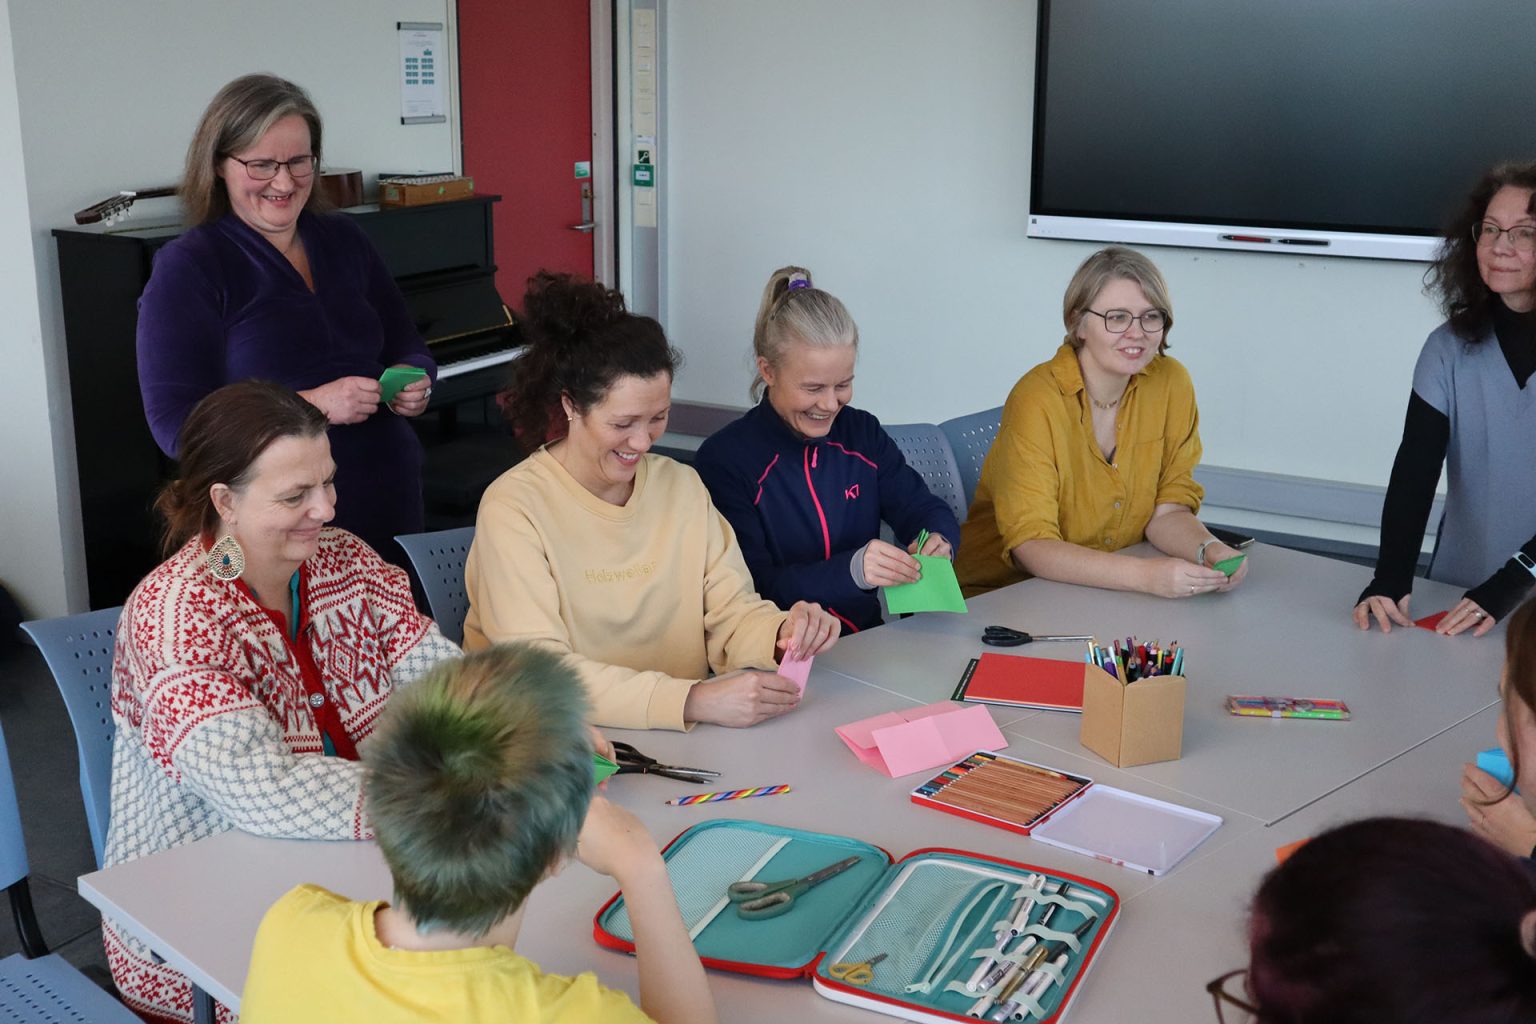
423,67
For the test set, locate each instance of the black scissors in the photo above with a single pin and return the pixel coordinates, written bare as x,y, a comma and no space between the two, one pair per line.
1002,636
632,762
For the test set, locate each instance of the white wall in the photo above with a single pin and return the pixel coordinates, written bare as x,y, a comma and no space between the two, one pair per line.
109,94
31,542
885,144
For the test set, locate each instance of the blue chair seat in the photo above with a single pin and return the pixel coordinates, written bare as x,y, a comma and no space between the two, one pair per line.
438,558
927,450
48,990
970,438
78,650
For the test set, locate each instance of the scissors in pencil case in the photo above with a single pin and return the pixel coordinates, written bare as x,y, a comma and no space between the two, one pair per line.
856,972
1002,636
632,762
757,901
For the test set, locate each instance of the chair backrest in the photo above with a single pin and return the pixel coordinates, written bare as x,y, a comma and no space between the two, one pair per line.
970,438
438,558
13,848
78,650
927,451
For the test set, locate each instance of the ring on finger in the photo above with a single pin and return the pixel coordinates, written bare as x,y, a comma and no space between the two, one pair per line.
1479,615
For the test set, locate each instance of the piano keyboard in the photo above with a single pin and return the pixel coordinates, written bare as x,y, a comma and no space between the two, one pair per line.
448,370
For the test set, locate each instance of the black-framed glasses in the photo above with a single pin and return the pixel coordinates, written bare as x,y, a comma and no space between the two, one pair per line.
1221,994
1118,321
265,170
1521,236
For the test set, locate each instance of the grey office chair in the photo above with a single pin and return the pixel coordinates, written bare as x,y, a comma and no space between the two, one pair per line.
78,650
927,451
438,558
970,438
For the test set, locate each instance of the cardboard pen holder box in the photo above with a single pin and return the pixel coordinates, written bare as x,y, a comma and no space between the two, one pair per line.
1132,723
934,914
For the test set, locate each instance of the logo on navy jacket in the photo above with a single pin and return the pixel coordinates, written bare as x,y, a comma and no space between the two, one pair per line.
852,492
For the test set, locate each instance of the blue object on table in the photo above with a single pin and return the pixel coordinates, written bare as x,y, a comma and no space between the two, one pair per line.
1496,763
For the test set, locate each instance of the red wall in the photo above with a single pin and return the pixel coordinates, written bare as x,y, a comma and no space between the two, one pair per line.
525,86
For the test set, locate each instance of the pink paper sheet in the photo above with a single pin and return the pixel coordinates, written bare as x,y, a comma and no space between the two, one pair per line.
796,670
902,742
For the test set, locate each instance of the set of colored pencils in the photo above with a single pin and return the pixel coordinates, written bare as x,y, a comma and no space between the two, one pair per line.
1137,660
1016,793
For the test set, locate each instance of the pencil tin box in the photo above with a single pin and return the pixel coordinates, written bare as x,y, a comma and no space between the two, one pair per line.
930,929
1069,811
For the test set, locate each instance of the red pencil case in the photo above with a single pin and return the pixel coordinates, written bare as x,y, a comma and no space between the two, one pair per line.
934,914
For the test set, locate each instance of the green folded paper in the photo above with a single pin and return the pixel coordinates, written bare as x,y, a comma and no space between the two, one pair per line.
1229,565
937,591
397,377
601,768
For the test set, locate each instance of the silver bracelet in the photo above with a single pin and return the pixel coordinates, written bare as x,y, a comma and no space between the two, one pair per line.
1200,552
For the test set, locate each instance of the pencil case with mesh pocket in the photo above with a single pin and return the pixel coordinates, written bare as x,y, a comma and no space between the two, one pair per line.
933,926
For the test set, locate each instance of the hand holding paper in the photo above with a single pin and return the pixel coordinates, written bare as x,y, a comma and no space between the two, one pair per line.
937,591
796,670
395,378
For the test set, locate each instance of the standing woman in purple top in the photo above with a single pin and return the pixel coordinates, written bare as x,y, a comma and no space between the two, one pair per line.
263,285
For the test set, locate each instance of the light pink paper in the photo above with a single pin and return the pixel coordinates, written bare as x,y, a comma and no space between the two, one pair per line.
796,670
902,742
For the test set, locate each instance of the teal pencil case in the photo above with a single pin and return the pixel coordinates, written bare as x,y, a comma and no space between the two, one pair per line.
939,935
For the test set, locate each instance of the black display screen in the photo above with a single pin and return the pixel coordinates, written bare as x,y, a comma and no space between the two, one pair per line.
1349,115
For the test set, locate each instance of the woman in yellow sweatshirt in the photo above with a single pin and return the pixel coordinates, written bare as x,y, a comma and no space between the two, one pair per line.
611,554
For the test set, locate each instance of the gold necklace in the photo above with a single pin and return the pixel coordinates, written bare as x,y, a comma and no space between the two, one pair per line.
1106,406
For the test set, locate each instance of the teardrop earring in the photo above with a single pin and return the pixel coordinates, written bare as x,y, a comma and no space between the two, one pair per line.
226,559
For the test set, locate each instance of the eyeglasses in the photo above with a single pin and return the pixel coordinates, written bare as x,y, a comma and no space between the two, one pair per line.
266,170
1118,321
1247,1012
1522,237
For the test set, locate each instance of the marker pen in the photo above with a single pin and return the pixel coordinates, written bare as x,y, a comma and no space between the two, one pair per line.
1001,972
1035,984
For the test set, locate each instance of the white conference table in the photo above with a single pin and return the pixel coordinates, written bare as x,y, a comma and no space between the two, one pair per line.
1161,942
1285,630
1209,904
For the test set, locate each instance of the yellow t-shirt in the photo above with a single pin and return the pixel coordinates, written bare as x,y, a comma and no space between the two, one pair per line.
1046,479
318,959
647,597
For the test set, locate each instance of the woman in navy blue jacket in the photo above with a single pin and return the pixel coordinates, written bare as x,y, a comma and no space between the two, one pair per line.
805,479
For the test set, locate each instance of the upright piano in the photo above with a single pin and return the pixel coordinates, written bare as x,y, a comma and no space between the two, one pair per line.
443,257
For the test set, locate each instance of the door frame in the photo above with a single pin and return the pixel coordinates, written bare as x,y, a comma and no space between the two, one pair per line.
605,205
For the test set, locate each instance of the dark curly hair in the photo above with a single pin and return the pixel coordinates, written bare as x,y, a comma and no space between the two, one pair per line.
1453,279
581,341
1393,919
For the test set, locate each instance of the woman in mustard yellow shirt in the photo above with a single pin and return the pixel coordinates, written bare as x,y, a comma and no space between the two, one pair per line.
1097,452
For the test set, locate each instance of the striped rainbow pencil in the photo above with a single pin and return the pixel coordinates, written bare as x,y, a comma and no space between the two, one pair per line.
731,794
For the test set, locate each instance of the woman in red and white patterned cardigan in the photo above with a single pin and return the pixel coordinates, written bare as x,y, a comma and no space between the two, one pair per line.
250,664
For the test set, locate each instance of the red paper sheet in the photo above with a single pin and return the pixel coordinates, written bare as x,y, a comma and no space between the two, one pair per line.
1429,622
1015,679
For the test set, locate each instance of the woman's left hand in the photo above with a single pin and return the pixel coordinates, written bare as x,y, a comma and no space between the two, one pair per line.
935,545
808,631
1507,822
1220,552
1466,615
413,398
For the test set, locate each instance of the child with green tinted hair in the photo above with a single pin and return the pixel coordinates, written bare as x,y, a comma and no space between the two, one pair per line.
479,785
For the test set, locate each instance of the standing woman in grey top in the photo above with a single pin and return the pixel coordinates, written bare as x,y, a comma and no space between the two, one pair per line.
1472,409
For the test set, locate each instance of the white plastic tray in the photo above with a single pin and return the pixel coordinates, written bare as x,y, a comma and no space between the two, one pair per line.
1123,828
